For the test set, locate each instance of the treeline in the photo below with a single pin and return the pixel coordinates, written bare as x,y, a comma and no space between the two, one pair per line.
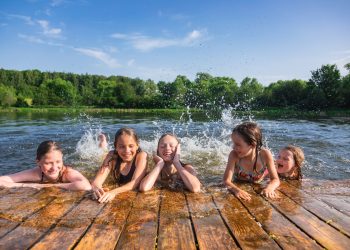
326,88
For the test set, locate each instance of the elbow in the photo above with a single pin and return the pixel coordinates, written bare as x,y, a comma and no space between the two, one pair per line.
196,189
143,188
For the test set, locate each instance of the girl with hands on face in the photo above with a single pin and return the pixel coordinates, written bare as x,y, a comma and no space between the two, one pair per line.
169,168
127,164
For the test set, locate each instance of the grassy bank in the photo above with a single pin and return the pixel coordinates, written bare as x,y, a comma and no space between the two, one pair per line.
266,113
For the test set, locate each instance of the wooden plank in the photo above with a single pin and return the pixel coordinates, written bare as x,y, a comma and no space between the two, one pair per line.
9,200
285,233
246,230
107,227
140,231
320,209
16,206
209,227
71,227
323,233
341,203
328,187
7,226
39,223
175,230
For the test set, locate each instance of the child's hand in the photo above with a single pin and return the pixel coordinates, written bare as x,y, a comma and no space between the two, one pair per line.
157,159
241,194
97,192
269,193
177,154
107,196
110,156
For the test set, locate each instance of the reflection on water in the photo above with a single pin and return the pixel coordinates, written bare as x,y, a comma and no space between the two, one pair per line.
205,139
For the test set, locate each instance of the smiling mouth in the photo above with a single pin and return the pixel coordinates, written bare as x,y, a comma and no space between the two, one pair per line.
279,166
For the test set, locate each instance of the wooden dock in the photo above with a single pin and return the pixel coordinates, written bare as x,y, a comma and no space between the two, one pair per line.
307,215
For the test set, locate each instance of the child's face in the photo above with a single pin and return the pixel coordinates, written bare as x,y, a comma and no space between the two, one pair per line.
51,164
167,147
285,161
241,148
126,147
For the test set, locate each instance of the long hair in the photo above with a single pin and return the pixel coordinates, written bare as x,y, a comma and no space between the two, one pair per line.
45,147
298,156
120,132
251,134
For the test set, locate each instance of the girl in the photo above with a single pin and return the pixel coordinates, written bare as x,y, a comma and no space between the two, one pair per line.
289,162
50,171
248,161
168,167
127,164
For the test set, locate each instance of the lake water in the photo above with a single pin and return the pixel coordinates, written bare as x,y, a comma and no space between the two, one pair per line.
205,141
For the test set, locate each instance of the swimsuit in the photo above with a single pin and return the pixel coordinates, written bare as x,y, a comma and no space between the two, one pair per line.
119,177
252,176
59,178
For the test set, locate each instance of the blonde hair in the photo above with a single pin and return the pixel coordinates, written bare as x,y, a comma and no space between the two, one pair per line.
298,156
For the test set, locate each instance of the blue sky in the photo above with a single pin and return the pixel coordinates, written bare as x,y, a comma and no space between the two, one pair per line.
157,39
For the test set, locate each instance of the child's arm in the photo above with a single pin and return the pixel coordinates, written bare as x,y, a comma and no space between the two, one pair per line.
101,176
239,193
187,173
75,181
17,179
141,163
148,182
269,191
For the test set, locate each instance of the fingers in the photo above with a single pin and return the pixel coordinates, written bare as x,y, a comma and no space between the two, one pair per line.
106,197
98,192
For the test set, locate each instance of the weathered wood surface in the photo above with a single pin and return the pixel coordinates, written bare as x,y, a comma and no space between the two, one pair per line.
307,215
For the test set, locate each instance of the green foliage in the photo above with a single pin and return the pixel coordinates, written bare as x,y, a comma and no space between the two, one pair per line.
325,89
7,95
328,79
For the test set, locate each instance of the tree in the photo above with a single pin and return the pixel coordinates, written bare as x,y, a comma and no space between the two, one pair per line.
59,92
7,95
327,78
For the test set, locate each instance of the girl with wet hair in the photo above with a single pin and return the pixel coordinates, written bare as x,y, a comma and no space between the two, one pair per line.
168,167
289,162
126,163
249,161
50,172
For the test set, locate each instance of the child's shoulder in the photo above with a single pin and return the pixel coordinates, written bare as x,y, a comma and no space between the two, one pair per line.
265,153
233,156
142,154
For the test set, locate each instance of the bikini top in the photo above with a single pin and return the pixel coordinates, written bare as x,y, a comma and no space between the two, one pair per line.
252,176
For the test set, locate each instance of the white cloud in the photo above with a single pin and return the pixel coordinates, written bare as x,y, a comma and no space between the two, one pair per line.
99,55
47,30
31,39
27,19
145,43
55,3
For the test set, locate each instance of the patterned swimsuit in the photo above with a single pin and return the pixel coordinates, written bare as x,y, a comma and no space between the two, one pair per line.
251,176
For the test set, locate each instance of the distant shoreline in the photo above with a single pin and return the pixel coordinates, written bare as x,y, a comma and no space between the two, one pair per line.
269,113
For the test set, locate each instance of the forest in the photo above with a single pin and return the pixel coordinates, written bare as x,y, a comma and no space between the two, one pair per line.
326,88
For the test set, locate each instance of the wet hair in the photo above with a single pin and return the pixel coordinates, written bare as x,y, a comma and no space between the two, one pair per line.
251,134
120,132
126,131
45,147
164,135
298,156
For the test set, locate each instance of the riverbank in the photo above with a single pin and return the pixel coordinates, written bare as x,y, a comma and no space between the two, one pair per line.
263,113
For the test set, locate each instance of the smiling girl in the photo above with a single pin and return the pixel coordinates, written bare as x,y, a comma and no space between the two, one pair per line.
289,162
50,171
168,166
249,161
126,163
